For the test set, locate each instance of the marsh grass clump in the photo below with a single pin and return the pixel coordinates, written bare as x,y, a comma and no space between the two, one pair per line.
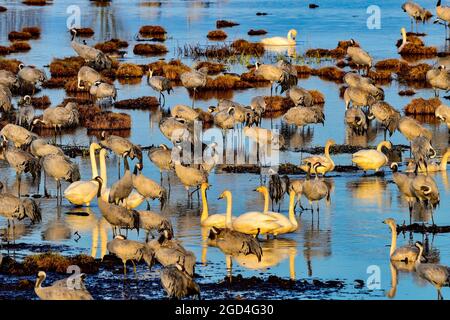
66,67
303,71
10,65
416,47
19,35
143,103
217,35
256,81
214,68
318,97
149,49
277,104
20,46
258,32
71,86
41,102
152,31
111,46
129,70
171,70
54,262
337,53
415,73
329,73
4,51
55,82
108,120
85,32
408,92
36,2
34,31
422,106
225,82
225,24
381,76
245,47
394,65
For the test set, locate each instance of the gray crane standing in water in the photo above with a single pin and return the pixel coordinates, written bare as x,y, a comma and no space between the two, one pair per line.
148,188
58,291
194,79
5,99
8,79
59,168
31,75
122,188
178,283
20,136
21,161
160,84
26,113
162,157
103,92
94,57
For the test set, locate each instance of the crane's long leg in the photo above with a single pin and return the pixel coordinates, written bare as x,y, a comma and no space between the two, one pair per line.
18,177
118,167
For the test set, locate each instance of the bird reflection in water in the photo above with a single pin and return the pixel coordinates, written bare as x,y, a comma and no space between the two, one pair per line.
316,243
369,190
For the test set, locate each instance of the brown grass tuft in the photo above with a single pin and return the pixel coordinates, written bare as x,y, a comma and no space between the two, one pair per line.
258,32
422,106
381,76
20,46
111,46
217,35
213,67
55,82
303,71
151,31
318,97
226,82
129,70
41,102
19,35
256,81
408,92
4,50
414,73
108,120
10,65
85,32
393,65
225,24
329,73
54,262
277,104
66,67
34,31
337,53
171,70
416,47
144,103
251,48
71,86
35,2
149,49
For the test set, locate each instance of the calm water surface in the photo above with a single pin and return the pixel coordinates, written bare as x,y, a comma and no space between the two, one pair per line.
349,237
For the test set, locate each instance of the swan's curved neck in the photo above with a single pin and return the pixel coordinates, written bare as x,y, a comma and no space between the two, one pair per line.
266,200
204,215
292,218
289,36
229,207
404,36
93,161
327,151
445,160
381,145
393,239
419,256
103,173
39,282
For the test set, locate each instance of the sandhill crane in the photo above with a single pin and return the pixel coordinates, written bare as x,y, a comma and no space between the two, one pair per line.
162,157
438,275
264,137
439,79
21,161
120,146
122,188
177,283
224,120
443,113
190,177
87,76
415,12
301,116
271,73
117,216
8,79
93,56
359,56
315,189
281,41
194,79
12,207
129,250
20,136
58,292
326,163
168,251
60,168
403,183
175,129
356,120
355,80
405,253
371,159
358,97
387,115
26,113
411,129
148,188
297,186
184,112
152,221
425,190
60,117
82,192
5,99
300,97
422,150
41,148
443,14
278,186
258,105
433,166
103,91
31,75
160,84
290,78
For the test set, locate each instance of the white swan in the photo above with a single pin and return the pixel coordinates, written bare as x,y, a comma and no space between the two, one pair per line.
281,41
82,192
287,224
132,201
217,220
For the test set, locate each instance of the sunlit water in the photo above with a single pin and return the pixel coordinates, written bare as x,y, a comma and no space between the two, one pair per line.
349,237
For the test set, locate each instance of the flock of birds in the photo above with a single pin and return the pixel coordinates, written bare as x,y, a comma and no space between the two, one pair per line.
27,153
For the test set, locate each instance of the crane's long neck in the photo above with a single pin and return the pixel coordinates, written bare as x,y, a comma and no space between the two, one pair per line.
126,165
445,160
266,200
103,173
292,218
419,257
393,238
93,161
204,215
228,213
